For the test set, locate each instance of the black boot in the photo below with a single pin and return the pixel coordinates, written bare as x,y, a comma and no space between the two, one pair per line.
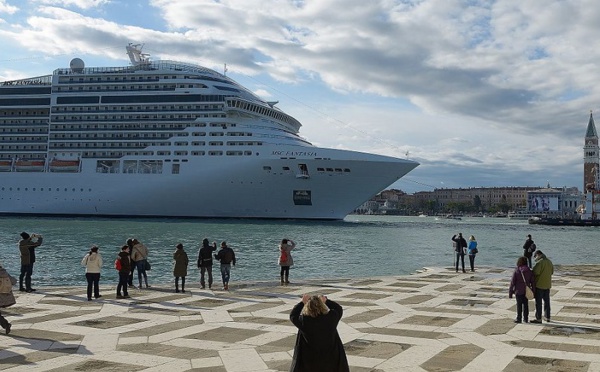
176,284
183,284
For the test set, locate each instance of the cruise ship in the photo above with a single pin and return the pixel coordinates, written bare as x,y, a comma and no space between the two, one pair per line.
169,139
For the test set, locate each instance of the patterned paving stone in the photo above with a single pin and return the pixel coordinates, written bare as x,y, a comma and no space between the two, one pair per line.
434,320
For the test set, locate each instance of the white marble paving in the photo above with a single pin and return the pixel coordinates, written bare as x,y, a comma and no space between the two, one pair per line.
273,346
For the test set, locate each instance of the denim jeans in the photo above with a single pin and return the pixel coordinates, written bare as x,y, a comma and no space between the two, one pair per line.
472,261
93,279
542,295
225,272
141,268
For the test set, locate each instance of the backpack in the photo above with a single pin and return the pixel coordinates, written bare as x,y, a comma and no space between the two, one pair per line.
118,264
5,285
284,257
532,248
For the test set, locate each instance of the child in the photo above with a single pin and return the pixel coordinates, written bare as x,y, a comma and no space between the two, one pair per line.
6,296
180,267
123,267
521,278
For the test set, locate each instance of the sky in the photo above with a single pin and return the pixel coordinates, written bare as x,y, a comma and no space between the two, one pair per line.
480,93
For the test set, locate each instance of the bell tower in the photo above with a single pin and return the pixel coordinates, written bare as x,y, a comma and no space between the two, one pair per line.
591,157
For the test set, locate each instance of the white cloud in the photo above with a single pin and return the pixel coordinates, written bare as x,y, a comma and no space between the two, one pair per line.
7,8
467,85
82,4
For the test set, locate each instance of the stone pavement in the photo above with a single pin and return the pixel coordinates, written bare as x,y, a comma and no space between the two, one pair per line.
434,320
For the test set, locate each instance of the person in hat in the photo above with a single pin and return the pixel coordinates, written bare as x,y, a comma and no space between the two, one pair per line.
27,246
227,257
6,296
180,267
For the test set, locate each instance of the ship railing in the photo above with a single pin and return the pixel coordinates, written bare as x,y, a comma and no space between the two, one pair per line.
152,66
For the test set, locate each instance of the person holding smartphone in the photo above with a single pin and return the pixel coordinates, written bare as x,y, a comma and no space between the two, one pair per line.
27,246
285,259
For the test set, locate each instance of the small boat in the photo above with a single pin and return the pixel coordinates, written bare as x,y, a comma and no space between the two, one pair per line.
30,165
452,217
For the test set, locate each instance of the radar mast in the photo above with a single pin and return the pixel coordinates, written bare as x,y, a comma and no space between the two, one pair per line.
137,58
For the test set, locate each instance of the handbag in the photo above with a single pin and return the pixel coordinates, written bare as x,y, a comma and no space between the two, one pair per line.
529,295
147,265
474,251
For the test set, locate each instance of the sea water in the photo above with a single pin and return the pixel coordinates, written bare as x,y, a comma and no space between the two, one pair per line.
358,246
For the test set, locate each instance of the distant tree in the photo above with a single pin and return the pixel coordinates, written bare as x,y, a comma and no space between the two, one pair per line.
477,203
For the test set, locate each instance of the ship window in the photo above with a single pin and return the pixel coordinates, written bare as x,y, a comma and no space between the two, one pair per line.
267,168
338,169
320,169
175,168
346,170
329,169
286,168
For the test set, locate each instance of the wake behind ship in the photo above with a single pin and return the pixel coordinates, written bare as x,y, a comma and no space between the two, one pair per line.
169,139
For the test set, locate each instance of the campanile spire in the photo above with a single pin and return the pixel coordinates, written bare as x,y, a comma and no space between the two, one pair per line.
591,157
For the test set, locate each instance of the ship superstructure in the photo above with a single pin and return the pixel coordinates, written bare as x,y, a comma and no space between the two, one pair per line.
167,138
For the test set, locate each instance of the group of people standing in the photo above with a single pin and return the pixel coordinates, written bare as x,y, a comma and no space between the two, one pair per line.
534,282
462,248
134,255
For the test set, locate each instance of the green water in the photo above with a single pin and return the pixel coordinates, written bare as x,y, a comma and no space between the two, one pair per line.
359,246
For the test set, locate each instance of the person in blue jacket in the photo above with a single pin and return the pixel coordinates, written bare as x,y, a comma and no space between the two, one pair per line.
472,251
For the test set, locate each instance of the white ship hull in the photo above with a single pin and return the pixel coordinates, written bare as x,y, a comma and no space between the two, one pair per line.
169,140
238,190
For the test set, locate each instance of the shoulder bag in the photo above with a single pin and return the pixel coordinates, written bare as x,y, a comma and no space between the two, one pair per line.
528,291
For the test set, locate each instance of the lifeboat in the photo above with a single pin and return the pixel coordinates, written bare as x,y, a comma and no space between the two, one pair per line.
30,165
64,165
5,165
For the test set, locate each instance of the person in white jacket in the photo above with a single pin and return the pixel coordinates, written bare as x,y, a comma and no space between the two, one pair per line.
93,263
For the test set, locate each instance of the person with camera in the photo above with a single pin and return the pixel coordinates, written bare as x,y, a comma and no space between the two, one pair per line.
285,259
27,246
459,248
205,262
319,347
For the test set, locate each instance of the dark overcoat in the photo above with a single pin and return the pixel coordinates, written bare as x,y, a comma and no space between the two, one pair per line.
181,263
318,344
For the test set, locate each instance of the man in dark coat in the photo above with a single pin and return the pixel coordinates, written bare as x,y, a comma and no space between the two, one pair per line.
461,245
27,246
528,249
227,257
318,344
205,262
